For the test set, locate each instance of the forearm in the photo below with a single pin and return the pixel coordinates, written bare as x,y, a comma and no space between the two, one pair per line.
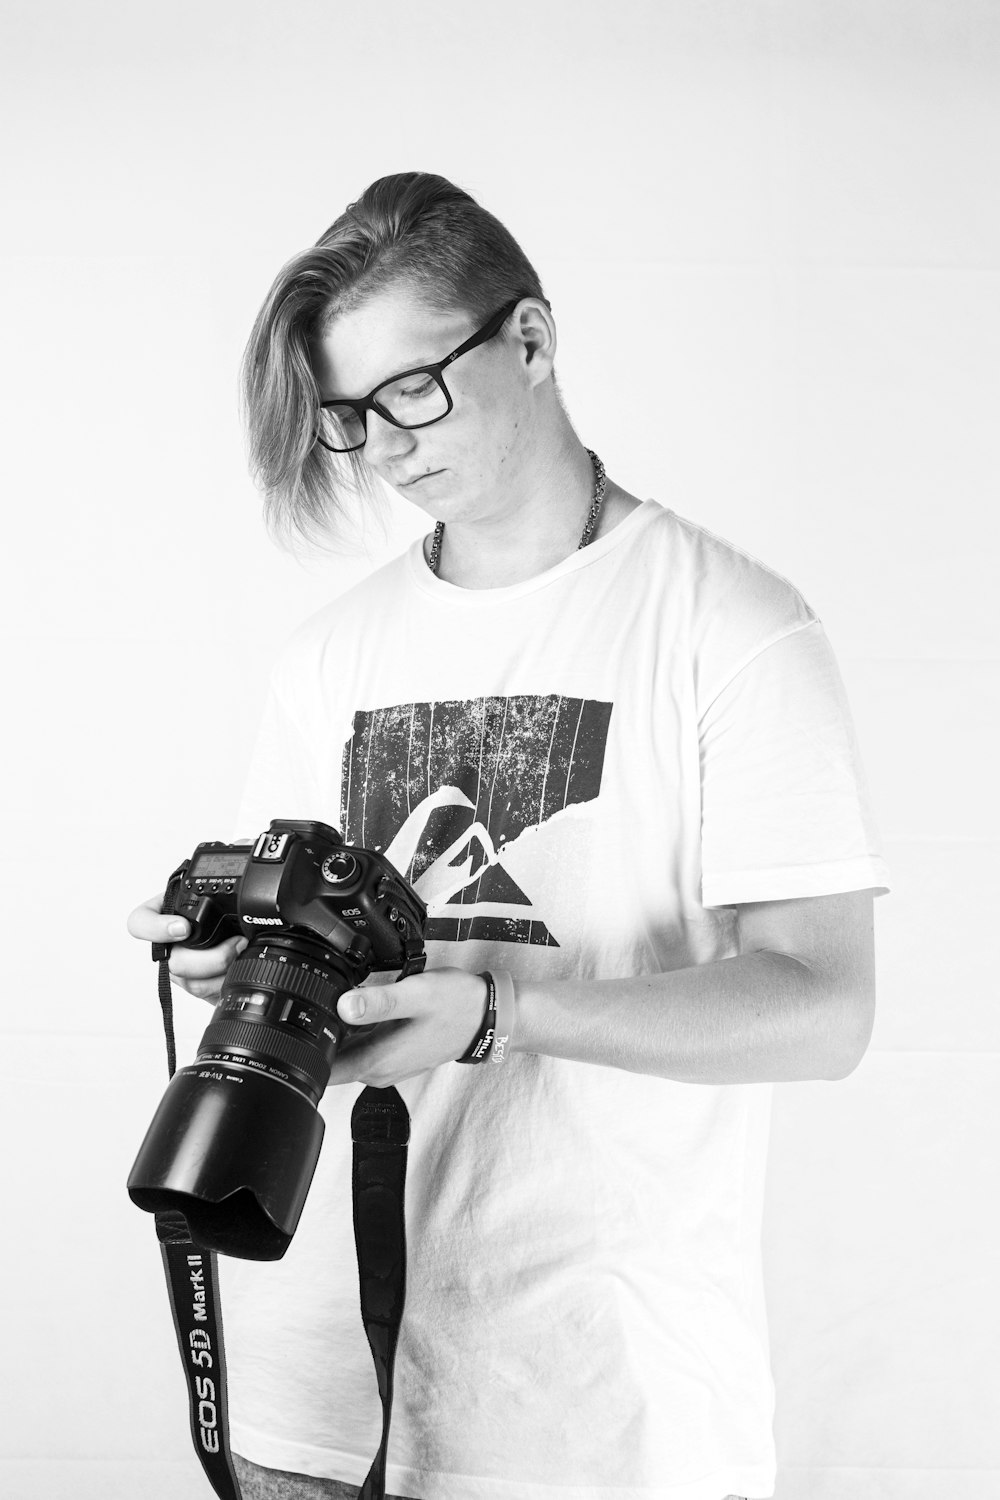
760,1017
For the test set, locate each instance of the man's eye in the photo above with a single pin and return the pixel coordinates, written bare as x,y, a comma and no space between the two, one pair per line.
421,388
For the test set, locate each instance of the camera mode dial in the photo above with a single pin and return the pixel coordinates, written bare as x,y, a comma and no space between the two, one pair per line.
340,868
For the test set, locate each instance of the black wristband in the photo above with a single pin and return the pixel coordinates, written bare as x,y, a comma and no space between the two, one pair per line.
480,1049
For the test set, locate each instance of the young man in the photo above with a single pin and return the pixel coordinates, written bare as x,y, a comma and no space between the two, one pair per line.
612,753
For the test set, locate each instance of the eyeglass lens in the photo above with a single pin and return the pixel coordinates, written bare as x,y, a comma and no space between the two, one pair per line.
411,401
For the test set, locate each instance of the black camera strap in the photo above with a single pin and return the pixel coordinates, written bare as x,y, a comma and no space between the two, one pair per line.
193,1288
380,1129
161,957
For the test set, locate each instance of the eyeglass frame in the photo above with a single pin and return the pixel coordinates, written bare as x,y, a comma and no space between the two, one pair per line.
364,404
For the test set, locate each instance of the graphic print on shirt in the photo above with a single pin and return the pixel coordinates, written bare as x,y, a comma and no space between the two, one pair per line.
444,789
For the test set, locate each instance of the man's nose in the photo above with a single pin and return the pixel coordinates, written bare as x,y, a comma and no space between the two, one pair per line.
384,441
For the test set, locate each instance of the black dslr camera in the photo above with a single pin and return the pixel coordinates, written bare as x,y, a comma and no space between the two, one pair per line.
235,1140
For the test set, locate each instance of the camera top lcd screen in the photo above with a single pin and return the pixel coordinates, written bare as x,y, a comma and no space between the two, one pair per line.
219,866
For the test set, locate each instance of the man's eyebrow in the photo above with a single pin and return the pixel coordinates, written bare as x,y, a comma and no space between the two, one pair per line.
413,364
417,364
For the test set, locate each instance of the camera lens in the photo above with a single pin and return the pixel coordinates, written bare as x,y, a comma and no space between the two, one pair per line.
235,1140
278,1013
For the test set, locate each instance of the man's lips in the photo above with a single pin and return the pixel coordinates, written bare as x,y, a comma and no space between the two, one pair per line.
405,484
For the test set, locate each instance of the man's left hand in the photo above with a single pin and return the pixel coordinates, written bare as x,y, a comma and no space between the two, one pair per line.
423,1021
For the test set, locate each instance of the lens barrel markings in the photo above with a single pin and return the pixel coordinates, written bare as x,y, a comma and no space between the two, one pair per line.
256,972
265,1041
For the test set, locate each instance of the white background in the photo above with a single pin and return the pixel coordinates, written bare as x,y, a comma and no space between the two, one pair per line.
770,232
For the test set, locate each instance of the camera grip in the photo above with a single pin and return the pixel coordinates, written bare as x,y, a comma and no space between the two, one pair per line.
209,926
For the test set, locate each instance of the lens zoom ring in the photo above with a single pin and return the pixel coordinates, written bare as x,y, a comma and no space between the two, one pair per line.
290,979
266,1041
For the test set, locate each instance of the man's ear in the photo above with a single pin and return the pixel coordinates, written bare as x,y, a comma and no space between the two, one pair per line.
534,330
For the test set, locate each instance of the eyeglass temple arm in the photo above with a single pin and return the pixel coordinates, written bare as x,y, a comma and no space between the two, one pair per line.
492,327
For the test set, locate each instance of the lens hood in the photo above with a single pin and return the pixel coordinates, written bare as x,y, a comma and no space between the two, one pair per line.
234,1152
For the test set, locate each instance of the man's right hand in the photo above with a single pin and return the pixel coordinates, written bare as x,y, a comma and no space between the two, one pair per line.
200,971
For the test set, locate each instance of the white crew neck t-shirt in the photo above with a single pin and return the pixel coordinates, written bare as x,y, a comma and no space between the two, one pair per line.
582,774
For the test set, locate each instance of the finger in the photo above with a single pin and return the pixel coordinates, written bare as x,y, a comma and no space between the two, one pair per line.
150,925
205,963
201,989
363,1007
364,1056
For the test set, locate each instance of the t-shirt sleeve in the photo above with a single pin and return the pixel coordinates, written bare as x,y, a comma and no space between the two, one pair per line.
785,807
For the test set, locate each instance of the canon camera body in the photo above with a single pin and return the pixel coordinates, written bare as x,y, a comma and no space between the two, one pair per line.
235,1140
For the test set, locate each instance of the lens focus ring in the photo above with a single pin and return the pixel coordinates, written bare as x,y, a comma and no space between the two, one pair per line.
257,972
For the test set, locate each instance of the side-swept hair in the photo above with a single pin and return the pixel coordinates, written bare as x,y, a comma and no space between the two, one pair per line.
413,227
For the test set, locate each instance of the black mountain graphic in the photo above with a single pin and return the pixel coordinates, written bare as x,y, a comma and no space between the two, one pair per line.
468,777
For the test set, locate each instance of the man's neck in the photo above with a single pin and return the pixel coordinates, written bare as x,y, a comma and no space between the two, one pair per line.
541,526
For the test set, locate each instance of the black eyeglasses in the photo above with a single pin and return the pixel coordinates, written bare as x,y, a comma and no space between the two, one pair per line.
416,398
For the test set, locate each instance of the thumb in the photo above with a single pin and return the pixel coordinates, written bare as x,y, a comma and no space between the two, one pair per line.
362,1007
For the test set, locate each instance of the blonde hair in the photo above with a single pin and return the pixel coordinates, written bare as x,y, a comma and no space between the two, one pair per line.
414,228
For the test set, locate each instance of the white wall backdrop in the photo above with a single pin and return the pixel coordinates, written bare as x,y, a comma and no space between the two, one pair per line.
770,230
